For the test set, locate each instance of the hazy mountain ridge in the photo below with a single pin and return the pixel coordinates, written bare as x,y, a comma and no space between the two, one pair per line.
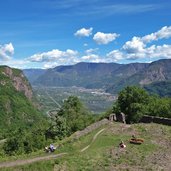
110,76
33,74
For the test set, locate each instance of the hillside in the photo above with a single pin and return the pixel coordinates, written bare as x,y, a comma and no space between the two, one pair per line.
16,108
153,72
111,77
162,88
88,75
99,150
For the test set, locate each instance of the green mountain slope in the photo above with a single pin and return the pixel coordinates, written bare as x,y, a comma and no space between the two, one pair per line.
162,88
16,108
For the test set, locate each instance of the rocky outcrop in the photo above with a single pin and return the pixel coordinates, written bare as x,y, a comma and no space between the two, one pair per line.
19,81
153,76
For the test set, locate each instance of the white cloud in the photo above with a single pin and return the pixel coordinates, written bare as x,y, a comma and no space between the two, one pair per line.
115,56
53,56
134,46
84,32
91,50
6,51
138,44
163,51
104,38
92,58
163,33
16,63
137,48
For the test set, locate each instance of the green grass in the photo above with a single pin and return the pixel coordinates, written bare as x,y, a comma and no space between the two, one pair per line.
43,166
104,154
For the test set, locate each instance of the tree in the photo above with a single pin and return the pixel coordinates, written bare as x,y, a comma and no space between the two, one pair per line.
159,106
131,101
77,117
58,129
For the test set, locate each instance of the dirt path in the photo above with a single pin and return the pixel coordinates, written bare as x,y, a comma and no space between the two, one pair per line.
94,138
28,161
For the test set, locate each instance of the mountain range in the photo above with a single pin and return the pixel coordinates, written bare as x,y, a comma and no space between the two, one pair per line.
111,77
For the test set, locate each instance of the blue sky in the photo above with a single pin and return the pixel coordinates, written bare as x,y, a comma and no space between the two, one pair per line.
48,33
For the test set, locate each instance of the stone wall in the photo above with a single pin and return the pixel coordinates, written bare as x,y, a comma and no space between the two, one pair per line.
154,119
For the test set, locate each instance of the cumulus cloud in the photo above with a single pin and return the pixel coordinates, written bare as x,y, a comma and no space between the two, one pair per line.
84,32
53,55
115,56
163,33
139,44
91,50
92,58
134,46
6,51
138,47
104,38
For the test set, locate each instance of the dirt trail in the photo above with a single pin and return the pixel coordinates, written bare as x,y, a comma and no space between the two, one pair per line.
48,157
28,161
94,138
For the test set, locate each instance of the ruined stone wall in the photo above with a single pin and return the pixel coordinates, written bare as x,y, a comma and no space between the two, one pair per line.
154,119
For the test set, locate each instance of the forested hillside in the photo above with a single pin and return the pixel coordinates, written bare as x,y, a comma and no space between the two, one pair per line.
16,107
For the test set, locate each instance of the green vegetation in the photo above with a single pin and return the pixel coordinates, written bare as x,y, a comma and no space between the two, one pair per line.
25,131
16,110
71,117
104,154
136,102
23,126
162,88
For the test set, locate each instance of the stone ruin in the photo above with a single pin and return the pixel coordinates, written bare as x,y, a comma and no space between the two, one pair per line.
120,117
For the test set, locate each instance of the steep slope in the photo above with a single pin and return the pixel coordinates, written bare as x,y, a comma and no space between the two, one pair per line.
16,108
154,72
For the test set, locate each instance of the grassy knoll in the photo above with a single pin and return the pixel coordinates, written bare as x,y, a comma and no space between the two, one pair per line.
104,154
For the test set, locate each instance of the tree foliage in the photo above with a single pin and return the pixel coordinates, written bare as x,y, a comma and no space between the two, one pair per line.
136,102
131,101
75,114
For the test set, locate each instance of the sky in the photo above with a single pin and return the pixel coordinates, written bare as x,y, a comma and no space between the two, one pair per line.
49,33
